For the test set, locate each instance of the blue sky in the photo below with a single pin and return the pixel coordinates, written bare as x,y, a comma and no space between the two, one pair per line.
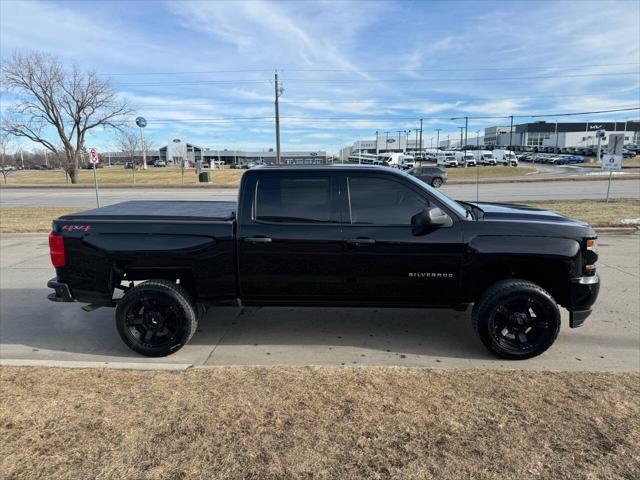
348,68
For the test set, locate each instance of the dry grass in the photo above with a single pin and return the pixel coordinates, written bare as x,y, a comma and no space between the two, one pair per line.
633,162
595,212
31,219
118,176
488,172
342,423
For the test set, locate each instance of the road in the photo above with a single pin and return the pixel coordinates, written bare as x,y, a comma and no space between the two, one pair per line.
85,197
32,328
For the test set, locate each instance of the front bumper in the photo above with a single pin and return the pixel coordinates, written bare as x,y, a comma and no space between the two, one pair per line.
584,293
61,291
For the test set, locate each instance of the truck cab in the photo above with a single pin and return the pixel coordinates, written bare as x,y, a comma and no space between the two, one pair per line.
446,159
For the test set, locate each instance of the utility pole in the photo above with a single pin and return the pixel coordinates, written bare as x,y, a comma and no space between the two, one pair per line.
510,132
421,139
448,141
438,138
461,131
377,149
466,131
399,140
278,92
556,149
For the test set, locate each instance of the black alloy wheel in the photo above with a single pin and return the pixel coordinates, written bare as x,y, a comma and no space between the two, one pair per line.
156,318
516,319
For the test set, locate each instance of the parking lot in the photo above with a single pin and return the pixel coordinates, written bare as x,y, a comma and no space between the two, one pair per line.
609,341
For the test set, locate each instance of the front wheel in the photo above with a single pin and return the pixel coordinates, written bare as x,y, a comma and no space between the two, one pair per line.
516,319
436,182
156,318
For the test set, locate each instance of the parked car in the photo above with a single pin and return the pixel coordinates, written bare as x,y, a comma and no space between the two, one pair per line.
159,164
433,176
291,239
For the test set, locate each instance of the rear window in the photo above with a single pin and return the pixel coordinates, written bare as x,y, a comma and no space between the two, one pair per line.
294,199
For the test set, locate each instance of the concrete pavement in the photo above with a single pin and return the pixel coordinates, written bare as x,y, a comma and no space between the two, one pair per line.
85,197
34,329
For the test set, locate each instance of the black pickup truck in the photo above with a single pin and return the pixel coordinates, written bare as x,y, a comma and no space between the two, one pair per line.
356,236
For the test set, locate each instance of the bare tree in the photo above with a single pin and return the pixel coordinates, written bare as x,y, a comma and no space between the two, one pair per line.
130,144
54,102
6,164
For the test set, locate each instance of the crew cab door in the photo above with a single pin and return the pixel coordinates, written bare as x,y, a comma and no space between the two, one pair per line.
388,263
289,238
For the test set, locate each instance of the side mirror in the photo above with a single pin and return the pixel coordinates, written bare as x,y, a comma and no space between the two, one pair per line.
428,220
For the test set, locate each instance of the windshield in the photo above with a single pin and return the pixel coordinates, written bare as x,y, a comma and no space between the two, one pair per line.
488,156
452,204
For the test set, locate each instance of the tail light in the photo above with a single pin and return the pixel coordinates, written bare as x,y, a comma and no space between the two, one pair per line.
56,249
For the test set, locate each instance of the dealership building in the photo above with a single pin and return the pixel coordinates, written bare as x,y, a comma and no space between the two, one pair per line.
551,134
178,149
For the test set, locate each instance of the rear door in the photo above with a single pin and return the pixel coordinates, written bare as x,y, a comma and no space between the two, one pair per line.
387,263
289,238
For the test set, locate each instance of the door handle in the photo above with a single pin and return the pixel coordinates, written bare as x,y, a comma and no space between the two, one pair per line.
257,240
361,241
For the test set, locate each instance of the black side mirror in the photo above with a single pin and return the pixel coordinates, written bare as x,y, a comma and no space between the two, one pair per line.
427,220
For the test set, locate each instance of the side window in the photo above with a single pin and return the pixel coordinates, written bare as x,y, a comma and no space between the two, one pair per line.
380,201
304,199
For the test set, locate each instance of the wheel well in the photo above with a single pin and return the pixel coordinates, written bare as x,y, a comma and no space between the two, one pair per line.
180,276
553,276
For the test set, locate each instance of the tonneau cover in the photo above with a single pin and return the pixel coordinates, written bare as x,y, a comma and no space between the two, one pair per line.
160,210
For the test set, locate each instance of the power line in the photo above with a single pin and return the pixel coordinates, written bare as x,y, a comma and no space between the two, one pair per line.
362,80
332,69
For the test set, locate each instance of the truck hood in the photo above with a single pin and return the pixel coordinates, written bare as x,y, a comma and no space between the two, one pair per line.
513,212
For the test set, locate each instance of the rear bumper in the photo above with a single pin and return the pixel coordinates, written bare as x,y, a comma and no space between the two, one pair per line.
61,291
584,293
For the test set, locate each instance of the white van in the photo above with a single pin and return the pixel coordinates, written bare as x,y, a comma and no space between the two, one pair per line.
465,159
446,159
397,160
431,154
505,157
484,157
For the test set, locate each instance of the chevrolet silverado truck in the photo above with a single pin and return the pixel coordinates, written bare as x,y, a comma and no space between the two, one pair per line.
348,236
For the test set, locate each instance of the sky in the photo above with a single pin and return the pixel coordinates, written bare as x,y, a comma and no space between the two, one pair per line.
204,70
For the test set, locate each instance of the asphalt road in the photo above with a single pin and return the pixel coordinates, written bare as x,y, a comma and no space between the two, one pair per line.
32,328
85,197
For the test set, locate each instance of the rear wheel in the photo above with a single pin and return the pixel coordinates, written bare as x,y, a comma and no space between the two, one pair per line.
156,318
516,319
436,182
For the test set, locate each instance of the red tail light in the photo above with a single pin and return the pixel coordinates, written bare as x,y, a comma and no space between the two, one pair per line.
56,249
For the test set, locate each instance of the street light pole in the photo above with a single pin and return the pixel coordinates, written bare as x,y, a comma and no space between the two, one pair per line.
438,137
399,140
510,132
556,149
466,131
377,149
421,139
461,131
278,92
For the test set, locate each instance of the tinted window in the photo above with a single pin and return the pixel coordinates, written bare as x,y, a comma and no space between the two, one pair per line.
294,199
383,202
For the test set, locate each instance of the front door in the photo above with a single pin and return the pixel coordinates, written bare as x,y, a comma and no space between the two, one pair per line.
289,240
388,264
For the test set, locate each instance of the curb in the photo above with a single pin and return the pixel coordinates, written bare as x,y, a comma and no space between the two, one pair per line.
80,364
617,230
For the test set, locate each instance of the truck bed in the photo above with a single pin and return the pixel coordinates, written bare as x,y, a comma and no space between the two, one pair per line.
160,210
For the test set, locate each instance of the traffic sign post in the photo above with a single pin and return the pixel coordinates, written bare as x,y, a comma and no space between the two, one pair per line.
94,159
141,122
612,161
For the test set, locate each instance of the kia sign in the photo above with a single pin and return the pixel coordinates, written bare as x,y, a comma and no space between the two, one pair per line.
141,122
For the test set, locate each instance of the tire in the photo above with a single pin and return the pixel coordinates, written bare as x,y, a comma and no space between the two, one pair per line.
436,182
156,318
516,319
